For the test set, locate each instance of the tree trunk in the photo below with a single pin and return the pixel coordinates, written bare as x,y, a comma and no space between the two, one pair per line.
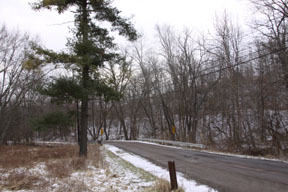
194,130
84,114
78,123
85,79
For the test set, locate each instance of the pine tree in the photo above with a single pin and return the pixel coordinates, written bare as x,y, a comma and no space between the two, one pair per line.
91,46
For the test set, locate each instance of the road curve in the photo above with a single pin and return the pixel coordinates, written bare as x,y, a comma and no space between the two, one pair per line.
224,173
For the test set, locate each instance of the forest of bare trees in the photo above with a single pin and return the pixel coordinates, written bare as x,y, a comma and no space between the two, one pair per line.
227,89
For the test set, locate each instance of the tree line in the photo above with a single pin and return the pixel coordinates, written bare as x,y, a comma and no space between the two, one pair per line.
227,89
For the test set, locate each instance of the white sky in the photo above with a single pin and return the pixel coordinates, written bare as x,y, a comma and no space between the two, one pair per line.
197,15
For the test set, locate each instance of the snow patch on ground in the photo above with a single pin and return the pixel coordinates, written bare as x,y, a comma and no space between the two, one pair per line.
188,185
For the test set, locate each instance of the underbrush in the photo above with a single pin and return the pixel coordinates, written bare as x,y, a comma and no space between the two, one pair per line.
143,174
158,185
29,155
162,185
264,151
60,169
23,180
28,167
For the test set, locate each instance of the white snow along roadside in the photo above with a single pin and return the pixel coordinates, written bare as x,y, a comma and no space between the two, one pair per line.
137,161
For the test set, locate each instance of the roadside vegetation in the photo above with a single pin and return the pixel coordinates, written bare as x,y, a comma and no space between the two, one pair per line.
29,167
59,168
144,175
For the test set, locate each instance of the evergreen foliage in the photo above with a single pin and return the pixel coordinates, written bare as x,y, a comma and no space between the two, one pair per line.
66,90
91,46
63,90
58,123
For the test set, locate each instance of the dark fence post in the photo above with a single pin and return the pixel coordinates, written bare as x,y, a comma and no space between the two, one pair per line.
173,178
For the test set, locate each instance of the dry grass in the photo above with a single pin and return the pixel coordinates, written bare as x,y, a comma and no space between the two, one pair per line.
60,162
78,163
95,157
162,185
74,186
17,165
23,180
26,156
59,168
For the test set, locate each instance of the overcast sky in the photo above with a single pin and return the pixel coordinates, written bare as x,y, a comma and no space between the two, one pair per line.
197,15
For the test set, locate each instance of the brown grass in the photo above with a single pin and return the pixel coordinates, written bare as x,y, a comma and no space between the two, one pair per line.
23,180
95,157
60,162
74,186
59,168
162,185
25,156
78,163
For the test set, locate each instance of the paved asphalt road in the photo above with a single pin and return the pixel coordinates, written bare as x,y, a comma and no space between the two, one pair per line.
224,173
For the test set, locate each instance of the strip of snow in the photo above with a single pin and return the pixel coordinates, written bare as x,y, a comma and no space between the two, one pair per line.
188,185
211,152
150,143
174,143
50,143
245,156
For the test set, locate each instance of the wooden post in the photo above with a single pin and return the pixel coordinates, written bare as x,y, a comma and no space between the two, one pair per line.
173,178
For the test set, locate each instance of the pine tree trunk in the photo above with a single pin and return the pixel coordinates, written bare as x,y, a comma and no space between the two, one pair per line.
78,123
84,114
85,79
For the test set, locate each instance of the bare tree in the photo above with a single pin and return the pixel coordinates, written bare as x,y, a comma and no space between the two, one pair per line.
225,49
274,28
274,75
17,80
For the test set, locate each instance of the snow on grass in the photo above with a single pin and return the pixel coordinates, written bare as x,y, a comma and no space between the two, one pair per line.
22,178
112,174
188,185
130,178
115,177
